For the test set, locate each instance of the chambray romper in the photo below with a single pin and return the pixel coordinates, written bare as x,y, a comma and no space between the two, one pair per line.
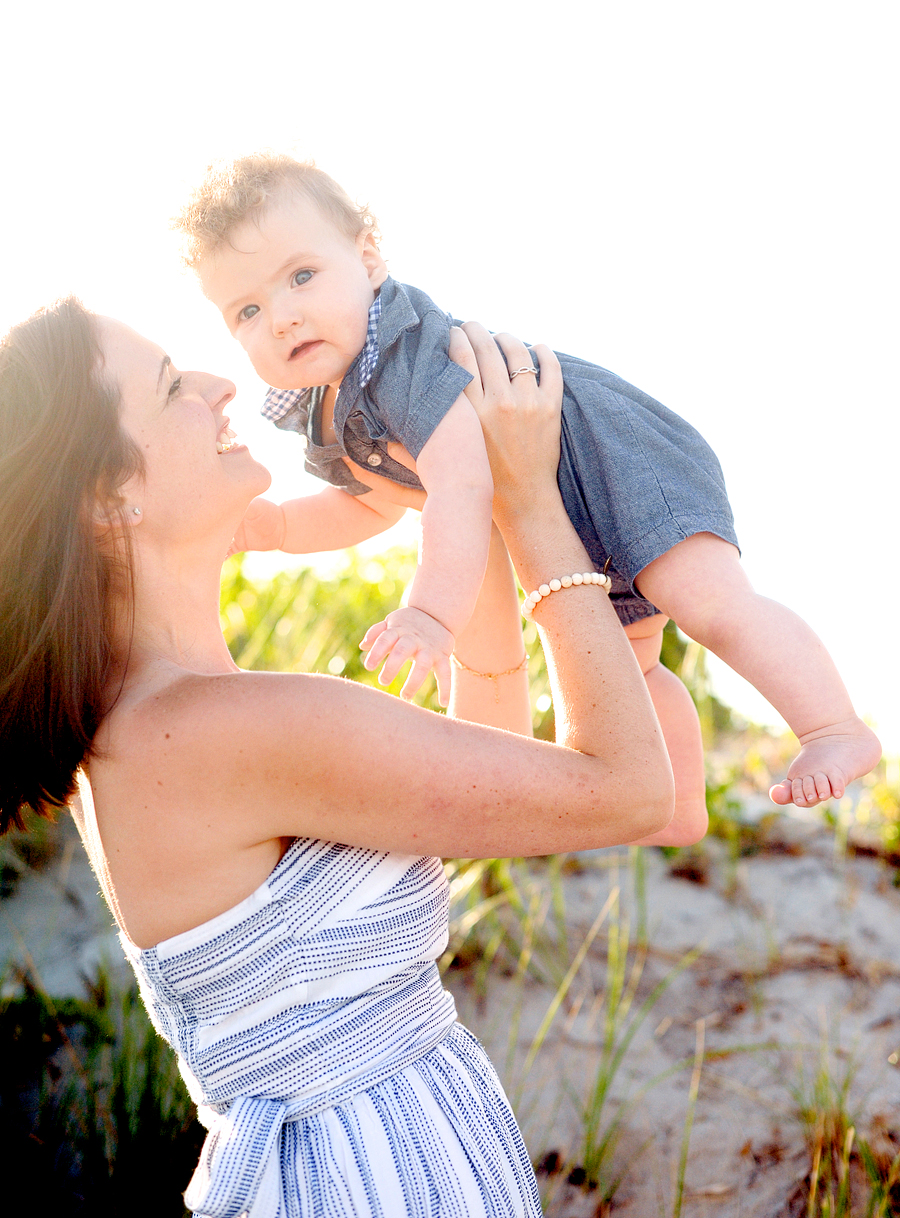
635,477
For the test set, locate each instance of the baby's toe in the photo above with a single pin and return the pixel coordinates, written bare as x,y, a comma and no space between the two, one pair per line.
825,789
838,786
781,793
813,789
804,791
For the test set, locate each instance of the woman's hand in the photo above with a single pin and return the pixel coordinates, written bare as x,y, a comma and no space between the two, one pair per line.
520,419
520,416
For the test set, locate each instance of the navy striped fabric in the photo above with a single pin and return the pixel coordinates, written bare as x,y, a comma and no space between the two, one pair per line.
323,1052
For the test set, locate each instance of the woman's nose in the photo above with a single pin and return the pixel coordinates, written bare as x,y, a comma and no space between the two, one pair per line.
217,390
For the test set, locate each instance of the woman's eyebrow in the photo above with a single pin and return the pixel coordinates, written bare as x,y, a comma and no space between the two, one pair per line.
166,360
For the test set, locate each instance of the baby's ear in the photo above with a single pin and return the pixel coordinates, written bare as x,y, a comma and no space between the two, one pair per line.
375,265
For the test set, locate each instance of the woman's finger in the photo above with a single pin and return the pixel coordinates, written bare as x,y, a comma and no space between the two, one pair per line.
491,364
530,366
517,356
551,377
520,415
461,353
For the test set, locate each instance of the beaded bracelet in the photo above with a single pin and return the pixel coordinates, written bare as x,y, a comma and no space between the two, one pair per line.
564,581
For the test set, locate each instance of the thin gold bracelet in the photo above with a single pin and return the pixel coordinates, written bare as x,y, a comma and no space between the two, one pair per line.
490,676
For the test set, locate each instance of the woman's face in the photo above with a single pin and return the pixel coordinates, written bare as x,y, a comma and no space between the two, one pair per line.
193,476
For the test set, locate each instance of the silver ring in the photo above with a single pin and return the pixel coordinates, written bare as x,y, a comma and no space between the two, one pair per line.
513,375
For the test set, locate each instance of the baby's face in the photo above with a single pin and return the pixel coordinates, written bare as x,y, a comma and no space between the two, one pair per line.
295,291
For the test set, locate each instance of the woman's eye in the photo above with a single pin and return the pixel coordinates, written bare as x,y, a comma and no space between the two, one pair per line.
247,312
174,387
301,277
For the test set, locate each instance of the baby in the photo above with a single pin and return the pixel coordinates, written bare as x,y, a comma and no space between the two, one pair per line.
359,366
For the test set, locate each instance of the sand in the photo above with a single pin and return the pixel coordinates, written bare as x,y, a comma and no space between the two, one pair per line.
799,970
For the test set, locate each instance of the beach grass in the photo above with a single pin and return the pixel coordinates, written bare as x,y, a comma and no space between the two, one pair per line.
587,993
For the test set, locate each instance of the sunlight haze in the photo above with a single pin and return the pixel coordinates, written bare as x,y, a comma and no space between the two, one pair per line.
699,196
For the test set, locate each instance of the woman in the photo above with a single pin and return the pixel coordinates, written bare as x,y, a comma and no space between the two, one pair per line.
295,977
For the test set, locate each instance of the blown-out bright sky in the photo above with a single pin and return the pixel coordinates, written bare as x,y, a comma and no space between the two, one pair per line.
701,196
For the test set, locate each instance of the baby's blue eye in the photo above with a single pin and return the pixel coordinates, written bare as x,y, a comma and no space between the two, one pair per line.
174,387
301,277
247,312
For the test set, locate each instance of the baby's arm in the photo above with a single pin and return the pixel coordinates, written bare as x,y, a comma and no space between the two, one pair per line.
456,525
329,520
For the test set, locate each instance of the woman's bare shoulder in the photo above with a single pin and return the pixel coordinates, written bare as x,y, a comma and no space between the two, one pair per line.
200,762
195,712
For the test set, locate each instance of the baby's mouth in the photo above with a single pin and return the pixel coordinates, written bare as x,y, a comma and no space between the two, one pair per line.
304,348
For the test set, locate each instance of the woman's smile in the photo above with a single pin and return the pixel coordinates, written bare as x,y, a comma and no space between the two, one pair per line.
226,441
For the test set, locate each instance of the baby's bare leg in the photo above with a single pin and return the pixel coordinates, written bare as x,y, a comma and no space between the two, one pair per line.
681,728
701,584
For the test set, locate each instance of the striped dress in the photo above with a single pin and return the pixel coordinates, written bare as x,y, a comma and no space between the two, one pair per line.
324,1055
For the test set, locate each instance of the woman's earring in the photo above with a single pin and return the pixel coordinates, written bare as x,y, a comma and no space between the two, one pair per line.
136,511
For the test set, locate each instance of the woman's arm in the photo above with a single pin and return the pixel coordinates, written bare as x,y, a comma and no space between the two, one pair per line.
244,758
588,657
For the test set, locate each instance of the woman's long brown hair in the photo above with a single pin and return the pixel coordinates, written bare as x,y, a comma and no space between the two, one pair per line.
62,456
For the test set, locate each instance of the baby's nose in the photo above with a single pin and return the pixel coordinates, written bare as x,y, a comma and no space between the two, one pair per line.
284,319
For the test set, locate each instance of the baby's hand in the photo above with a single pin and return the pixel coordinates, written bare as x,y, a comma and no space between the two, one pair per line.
410,634
263,527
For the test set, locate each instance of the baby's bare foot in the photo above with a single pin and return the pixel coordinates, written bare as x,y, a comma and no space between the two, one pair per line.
829,759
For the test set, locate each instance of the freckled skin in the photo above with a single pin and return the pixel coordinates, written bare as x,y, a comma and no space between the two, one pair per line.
177,870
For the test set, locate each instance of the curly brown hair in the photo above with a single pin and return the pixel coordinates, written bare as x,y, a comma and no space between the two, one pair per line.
237,190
